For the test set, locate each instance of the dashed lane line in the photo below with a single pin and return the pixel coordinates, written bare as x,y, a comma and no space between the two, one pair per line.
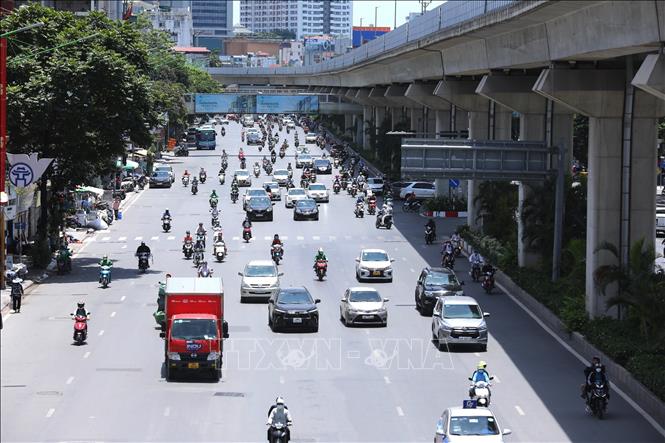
101,332
69,380
519,410
138,237
112,314
86,355
50,413
400,412
386,379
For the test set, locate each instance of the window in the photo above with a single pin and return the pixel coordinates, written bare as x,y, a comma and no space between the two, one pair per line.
423,186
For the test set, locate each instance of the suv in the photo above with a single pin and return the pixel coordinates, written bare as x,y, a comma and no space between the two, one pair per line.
293,307
375,184
260,279
459,320
434,283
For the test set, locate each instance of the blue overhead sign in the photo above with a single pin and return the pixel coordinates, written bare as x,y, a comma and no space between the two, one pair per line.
255,104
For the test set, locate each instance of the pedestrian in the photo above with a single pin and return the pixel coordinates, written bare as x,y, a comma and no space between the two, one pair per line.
16,294
116,207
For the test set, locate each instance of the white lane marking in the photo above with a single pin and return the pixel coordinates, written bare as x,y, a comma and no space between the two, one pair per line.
332,238
123,246
477,354
91,239
123,298
380,237
412,270
347,237
50,413
386,379
106,238
167,411
300,237
101,332
316,237
496,379
69,380
660,429
403,258
86,355
171,237
266,237
285,237
399,411
281,380
154,237
138,238
113,314
519,410
122,238
235,238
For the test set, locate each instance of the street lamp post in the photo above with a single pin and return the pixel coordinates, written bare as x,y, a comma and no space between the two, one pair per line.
375,22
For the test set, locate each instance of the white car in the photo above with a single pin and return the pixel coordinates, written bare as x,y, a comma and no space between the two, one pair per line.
468,425
252,192
374,264
304,160
280,176
318,192
458,320
375,184
260,279
363,305
294,194
423,190
243,177
224,121
311,137
291,125
275,191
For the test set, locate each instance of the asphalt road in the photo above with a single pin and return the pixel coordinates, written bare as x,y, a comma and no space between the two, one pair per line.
341,384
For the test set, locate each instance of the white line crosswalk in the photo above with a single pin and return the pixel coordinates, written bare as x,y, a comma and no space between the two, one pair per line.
315,238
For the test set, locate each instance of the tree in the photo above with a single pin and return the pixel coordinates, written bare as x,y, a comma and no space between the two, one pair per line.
497,202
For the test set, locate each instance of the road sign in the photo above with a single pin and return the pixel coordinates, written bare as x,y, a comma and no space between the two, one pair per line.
453,183
26,168
21,174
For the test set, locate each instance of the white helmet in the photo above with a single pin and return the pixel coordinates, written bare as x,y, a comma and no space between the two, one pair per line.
321,250
279,401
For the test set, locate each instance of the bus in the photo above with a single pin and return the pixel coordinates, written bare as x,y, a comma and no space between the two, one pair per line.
206,138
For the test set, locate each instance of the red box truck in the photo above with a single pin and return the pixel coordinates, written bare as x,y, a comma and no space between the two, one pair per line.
195,326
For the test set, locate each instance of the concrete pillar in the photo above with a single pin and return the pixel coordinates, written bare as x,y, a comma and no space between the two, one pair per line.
417,119
441,121
368,118
608,106
348,124
379,116
503,122
461,120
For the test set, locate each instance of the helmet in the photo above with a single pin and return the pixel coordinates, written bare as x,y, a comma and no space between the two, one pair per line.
80,304
321,250
142,243
276,236
200,223
482,364
279,401
188,232
166,210
106,256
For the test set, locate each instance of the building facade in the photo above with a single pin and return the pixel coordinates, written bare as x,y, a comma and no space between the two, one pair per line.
177,21
302,17
212,22
112,8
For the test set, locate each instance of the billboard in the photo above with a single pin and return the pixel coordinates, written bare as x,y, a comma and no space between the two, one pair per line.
364,34
255,104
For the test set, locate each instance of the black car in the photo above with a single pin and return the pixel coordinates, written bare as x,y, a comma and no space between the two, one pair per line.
434,283
254,139
160,179
293,308
259,208
322,166
305,209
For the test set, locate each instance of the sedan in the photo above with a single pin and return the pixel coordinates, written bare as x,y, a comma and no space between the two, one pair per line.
294,194
167,168
243,177
259,208
318,192
311,137
363,305
374,264
304,160
323,166
280,176
160,179
423,190
293,308
459,320
306,209
468,425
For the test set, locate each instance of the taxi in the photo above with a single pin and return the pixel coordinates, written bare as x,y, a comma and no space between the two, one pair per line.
468,424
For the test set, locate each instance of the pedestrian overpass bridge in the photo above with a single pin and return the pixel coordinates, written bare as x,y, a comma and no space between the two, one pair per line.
472,65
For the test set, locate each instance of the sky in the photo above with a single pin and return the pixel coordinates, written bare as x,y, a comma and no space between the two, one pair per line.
365,9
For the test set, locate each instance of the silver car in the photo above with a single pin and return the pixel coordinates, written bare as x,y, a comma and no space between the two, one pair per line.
166,168
318,192
293,195
243,177
459,320
363,305
280,176
260,280
304,160
252,192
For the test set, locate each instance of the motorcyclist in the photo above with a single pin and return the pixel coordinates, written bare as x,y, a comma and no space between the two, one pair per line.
277,241
202,172
143,249
476,259
64,253
241,154
360,200
213,198
214,212
410,199
320,255
446,247
219,236
480,374
106,261
432,225
187,239
593,373
224,154
371,199
200,230
456,239
166,215
80,310
279,413
203,269
246,223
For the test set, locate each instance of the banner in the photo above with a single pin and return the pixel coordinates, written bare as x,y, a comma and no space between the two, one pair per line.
255,104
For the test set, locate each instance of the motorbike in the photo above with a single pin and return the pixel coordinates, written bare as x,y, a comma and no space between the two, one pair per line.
219,251
475,271
202,177
143,261
204,273
282,153
268,169
213,203
215,222
278,433
345,184
224,165
64,263
480,391
246,234
336,163
222,178
195,188
290,172
105,276
80,328
360,210
353,190
336,188
411,206
188,249
277,253
243,163
223,132
234,195
429,235
321,268
448,261
201,238
488,282
384,221
296,143
198,257
371,207
257,171
458,249
597,401
273,158
166,224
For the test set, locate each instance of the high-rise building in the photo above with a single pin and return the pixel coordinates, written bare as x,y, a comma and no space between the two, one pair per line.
175,20
112,8
302,17
213,22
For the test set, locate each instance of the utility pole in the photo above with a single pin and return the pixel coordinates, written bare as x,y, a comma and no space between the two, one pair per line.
375,22
423,5
395,17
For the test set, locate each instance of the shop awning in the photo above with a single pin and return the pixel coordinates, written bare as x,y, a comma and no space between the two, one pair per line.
90,189
4,198
141,152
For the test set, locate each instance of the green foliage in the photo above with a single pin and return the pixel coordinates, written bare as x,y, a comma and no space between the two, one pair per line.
40,254
453,203
492,249
581,138
648,368
497,202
